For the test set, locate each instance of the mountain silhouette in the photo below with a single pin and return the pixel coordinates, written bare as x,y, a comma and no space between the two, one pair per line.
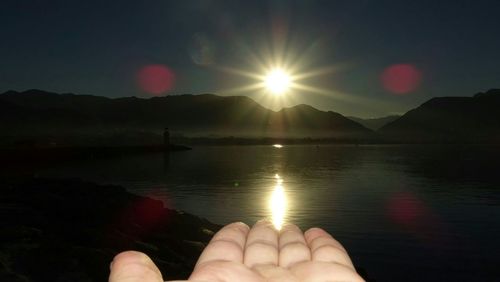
36,112
449,120
374,123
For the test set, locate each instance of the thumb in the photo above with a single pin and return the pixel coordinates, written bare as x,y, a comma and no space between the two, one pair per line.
134,266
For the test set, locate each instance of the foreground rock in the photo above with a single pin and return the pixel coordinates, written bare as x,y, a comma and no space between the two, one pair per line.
69,230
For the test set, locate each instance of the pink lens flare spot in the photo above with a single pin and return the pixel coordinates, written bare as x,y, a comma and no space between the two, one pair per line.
401,78
149,214
411,214
156,79
405,209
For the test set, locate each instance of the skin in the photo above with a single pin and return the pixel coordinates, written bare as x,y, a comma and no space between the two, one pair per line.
257,254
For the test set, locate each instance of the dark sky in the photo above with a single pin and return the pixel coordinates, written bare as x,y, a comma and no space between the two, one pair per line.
98,47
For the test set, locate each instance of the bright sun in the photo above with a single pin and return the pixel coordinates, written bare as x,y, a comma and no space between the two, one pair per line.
277,81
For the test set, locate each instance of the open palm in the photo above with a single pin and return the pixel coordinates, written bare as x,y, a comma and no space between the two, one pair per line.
238,253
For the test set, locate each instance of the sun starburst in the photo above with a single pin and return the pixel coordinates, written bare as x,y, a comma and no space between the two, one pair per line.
281,72
277,81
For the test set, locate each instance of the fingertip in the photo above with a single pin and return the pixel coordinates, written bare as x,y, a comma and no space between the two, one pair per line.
133,265
262,244
236,231
228,244
290,227
130,256
240,225
263,222
316,237
315,232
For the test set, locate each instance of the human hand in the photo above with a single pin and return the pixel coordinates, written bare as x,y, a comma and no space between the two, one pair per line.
238,253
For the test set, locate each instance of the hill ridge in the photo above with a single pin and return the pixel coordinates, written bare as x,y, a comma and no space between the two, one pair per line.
48,113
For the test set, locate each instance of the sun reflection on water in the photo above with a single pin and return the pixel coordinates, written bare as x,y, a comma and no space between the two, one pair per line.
278,203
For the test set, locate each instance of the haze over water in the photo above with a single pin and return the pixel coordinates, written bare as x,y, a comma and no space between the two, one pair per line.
407,213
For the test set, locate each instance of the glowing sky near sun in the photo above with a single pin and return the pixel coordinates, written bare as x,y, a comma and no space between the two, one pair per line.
87,47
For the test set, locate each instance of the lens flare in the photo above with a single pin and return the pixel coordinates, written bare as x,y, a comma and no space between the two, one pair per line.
155,79
202,49
278,203
401,78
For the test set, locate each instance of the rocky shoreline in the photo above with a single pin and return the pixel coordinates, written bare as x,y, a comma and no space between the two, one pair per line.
69,230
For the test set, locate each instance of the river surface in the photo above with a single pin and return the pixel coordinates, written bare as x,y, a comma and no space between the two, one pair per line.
404,213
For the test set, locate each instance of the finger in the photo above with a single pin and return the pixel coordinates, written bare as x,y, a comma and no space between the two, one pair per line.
312,271
292,246
325,248
315,232
226,245
134,266
262,245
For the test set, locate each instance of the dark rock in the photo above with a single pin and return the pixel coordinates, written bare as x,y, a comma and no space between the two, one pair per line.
70,230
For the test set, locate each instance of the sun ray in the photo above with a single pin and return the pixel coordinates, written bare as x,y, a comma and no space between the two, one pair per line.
298,60
334,94
326,92
316,72
240,72
242,89
295,59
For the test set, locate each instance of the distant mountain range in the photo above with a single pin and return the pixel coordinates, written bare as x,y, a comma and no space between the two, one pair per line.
86,118
374,123
37,113
449,120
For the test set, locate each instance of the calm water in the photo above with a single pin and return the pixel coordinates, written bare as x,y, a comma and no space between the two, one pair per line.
405,213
